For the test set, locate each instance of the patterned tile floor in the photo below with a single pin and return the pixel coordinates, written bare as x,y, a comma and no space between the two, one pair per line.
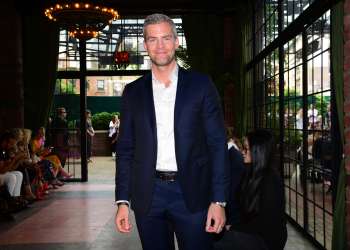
81,216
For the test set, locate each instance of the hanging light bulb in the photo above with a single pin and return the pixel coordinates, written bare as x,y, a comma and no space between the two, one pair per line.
82,18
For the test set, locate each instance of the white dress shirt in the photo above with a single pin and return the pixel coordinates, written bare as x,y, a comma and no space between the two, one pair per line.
231,144
164,104
112,128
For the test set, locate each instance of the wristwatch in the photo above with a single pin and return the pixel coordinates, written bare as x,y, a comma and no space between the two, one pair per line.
220,203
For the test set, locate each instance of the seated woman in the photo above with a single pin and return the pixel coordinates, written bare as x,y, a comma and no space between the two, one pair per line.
260,196
12,179
38,148
39,173
27,168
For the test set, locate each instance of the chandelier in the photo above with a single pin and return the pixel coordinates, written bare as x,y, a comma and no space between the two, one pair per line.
83,20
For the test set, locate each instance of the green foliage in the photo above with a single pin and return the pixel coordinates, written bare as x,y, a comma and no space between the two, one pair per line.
100,121
291,93
321,103
72,124
65,86
293,101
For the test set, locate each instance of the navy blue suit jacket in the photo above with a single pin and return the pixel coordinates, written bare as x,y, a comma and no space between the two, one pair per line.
200,143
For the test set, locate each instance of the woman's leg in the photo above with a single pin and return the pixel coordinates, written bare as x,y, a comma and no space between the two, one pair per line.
64,173
10,182
27,180
46,169
88,147
19,180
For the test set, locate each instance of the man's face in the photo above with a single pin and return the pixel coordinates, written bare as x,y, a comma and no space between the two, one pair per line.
63,113
10,143
160,43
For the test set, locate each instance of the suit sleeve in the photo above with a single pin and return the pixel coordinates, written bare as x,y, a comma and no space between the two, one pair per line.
236,165
124,149
216,140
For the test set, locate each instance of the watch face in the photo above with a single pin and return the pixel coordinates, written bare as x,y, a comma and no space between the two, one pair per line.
221,204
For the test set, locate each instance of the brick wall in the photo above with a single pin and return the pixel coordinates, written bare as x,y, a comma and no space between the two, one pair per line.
347,105
101,144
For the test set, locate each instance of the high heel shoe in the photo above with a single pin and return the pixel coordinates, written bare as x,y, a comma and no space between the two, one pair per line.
64,178
39,194
46,186
57,182
30,198
53,186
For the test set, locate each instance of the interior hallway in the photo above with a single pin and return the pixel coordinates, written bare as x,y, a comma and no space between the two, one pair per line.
81,216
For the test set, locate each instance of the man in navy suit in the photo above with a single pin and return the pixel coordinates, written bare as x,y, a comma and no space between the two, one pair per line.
172,166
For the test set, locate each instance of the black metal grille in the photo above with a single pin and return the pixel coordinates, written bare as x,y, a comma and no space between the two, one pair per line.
289,92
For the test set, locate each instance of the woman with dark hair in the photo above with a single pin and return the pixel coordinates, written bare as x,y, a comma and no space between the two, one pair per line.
260,196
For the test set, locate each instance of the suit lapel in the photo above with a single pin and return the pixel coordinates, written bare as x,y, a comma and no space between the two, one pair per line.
180,95
149,103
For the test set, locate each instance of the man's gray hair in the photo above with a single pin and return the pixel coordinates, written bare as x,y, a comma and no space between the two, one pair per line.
156,19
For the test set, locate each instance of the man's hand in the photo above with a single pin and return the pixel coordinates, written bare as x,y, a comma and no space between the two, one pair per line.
215,219
122,219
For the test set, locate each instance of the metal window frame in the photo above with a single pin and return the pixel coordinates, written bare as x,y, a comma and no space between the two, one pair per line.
295,28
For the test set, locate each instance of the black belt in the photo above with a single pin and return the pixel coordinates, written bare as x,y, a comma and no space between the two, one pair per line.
166,175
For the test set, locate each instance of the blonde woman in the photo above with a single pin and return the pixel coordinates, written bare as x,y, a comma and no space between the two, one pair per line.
39,149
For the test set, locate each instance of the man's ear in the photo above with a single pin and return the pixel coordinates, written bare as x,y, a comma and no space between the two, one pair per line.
145,45
177,43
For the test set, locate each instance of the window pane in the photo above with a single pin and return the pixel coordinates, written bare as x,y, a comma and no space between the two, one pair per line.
108,85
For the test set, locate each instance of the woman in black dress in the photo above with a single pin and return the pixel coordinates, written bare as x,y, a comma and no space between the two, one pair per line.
260,197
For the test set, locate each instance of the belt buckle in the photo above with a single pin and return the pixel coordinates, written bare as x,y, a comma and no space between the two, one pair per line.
170,178
164,176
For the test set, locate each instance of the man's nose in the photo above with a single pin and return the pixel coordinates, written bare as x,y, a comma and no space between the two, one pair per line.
160,43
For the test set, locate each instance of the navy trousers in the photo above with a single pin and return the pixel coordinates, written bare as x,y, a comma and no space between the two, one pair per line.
168,215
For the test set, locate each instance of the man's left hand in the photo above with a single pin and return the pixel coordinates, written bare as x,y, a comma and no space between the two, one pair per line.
215,219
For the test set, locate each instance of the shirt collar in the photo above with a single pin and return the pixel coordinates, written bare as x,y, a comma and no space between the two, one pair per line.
173,76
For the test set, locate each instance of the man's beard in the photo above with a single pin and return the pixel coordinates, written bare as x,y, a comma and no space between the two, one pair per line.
168,61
